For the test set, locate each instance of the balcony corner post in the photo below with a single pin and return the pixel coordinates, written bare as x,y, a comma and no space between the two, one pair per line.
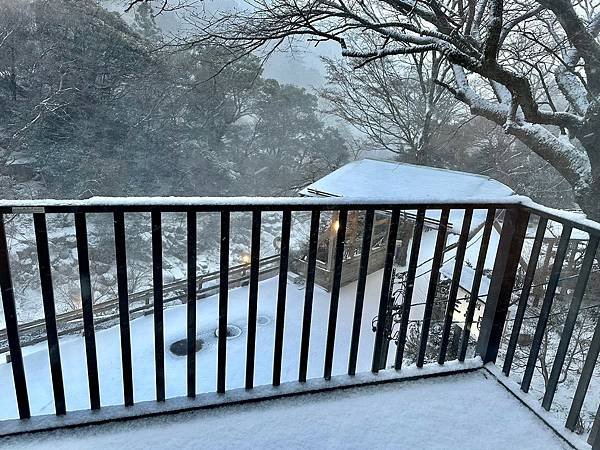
502,284
594,439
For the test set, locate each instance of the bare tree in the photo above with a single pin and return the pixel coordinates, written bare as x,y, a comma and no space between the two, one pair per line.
400,105
532,67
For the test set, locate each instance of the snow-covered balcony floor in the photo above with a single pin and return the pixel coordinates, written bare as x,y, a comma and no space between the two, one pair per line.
467,411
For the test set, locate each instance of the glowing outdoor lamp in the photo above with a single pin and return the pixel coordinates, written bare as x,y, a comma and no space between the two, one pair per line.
246,258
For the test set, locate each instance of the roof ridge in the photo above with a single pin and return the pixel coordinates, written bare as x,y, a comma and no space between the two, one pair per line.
400,163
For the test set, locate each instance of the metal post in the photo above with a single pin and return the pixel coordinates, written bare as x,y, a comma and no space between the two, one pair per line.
311,264
223,301
286,223
335,292
594,439
584,379
191,303
379,360
157,284
253,297
524,297
12,327
44,265
434,277
410,284
474,297
502,284
88,311
360,290
546,308
571,321
124,326
456,275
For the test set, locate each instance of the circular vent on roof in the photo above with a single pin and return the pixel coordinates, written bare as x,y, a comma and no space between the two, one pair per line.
233,331
179,348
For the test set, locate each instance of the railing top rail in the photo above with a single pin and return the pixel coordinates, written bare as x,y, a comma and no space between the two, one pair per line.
576,220
216,204
245,203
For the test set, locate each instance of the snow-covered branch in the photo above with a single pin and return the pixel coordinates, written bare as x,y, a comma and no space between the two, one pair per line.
569,160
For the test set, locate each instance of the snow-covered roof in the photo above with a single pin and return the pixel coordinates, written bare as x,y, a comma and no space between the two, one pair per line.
400,181
554,230
19,158
466,278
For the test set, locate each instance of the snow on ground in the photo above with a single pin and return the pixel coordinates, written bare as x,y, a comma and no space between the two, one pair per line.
73,352
108,340
396,181
468,411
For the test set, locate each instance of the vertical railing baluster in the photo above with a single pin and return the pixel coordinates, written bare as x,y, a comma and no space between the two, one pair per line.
434,275
360,290
455,283
567,332
191,303
524,297
157,285
124,326
311,266
379,347
474,295
253,298
335,292
410,285
281,295
41,239
223,301
536,344
584,379
12,327
87,307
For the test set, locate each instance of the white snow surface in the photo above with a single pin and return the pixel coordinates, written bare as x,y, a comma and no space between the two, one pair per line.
393,181
72,348
467,411
466,278
410,198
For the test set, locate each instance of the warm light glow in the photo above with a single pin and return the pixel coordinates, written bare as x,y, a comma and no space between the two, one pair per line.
336,225
246,258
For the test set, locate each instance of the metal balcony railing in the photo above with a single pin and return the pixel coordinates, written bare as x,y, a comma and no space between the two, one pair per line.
517,215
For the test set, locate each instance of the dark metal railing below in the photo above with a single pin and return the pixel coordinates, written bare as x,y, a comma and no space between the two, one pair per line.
517,215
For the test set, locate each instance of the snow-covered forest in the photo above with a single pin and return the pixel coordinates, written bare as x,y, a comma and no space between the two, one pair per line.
263,98
90,106
99,101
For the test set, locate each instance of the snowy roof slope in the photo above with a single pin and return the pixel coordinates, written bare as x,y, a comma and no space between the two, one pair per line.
466,278
554,230
400,181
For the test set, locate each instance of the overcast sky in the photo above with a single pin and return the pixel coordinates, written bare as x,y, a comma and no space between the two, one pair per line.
302,67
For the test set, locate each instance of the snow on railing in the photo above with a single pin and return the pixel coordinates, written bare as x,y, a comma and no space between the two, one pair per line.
252,201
